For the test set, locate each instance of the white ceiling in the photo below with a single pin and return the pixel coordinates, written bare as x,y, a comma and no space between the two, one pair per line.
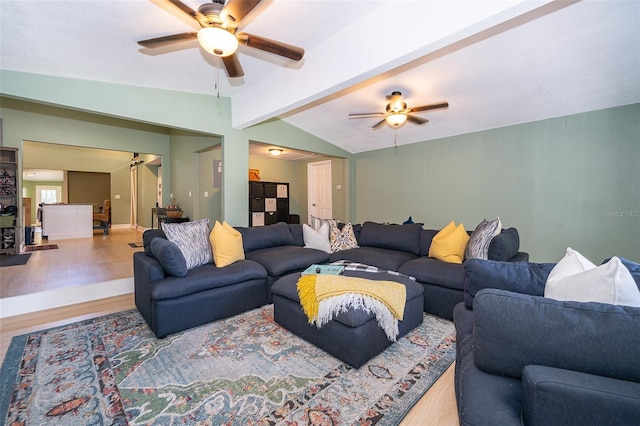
498,63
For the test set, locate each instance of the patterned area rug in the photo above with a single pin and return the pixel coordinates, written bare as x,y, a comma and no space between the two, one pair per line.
244,370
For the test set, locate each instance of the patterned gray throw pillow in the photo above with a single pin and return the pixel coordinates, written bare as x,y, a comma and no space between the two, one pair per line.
478,245
192,238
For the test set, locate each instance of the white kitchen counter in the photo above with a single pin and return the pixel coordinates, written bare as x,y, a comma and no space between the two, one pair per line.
65,221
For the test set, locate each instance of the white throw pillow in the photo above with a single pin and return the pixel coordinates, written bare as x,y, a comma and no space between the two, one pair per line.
316,239
576,278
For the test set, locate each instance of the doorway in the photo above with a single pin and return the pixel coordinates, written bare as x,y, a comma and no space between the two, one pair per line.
319,201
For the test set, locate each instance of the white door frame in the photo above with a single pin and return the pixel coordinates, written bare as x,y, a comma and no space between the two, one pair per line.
312,193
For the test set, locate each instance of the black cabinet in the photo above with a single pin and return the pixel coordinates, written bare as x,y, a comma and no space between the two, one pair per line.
268,203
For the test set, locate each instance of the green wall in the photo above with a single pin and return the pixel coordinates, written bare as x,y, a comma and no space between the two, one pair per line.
568,181
564,182
206,114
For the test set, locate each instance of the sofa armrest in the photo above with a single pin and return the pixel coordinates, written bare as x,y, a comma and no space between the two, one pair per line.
514,330
146,269
552,396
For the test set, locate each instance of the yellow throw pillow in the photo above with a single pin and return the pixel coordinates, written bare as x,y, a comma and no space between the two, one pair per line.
226,243
448,245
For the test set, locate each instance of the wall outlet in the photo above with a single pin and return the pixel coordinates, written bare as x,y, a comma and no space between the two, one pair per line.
117,196
189,194
206,194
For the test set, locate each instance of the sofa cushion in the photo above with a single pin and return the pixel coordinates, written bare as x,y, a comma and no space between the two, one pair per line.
260,237
523,277
169,256
193,240
148,236
284,259
226,243
296,231
449,244
482,398
480,239
576,278
514,330
392,237
426,237
594,400
342,239
505,245
382,258
319,239
206,277
432,271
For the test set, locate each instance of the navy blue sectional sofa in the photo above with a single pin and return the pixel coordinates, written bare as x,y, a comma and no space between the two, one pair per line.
170,304
526,359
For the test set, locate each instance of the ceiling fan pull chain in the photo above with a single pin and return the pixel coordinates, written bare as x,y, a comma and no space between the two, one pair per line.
217,81
395,140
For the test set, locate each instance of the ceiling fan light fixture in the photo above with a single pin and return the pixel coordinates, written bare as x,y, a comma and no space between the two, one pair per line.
275,151
217,41
396,119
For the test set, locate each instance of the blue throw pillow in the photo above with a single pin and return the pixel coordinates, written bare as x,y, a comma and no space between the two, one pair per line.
505,245
169,256
148,236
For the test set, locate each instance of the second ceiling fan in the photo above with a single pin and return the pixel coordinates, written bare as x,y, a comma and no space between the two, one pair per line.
219,36
397,112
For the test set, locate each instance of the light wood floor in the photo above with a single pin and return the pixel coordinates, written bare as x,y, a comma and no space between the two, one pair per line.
75,262
113,256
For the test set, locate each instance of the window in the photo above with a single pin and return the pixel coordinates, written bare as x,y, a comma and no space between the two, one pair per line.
48,194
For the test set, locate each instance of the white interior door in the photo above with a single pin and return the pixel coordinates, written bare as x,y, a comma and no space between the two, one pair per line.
319,190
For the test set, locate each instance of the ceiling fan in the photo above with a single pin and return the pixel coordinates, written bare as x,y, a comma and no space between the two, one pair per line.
219,36
397,112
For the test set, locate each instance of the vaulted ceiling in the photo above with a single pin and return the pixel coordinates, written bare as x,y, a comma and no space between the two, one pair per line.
497,63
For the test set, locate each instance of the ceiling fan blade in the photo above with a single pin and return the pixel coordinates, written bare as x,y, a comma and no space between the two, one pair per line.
272,46
232,65
166,40
378,124
366,114
237,9
416,120
183,7
437,105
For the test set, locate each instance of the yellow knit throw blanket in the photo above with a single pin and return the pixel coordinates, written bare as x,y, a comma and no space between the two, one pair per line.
323,296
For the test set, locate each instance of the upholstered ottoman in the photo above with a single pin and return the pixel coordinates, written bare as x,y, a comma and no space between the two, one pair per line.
354,336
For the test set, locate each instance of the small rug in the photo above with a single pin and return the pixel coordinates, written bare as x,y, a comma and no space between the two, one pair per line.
136,245
41,247
14,259
244,370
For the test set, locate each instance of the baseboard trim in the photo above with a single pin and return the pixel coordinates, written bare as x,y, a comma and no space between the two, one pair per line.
24,304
